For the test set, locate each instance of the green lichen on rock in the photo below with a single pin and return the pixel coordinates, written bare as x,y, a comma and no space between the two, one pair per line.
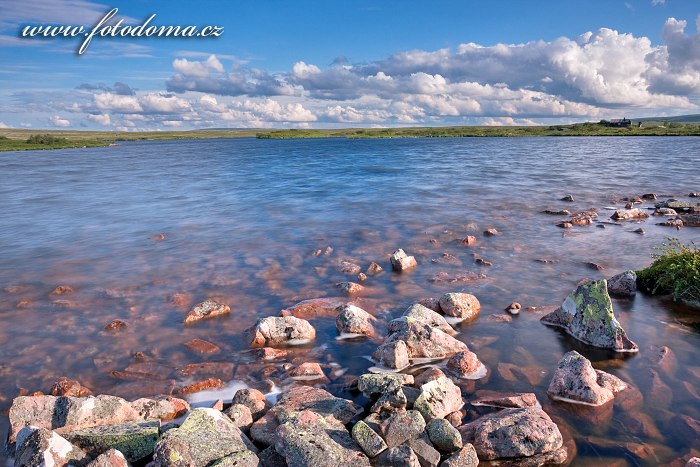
134,439
675,271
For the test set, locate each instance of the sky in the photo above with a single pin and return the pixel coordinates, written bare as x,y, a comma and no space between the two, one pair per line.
360,63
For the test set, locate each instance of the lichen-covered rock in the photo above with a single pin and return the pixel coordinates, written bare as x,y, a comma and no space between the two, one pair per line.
623,284
439,398
629,214
575,380
371,383
42,447
254,400
587,314
426,453
320,401
308,439
465,457
402,426
400,261
350,288
460,305
398,456
423,341
354,320
282,330
512,433
205,436
135,440
205,310
465,364
392,355
444,436
429,317
368,439
109,458
238,459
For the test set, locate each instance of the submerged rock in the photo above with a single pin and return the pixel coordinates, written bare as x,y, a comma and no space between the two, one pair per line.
423,341
205,310
501,400
315,307
282,330
575,380
460,305
354,320
350,288
629,214
400,261
623,284
587,315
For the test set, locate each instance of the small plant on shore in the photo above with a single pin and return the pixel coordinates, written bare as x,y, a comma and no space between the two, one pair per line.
45,139
675,271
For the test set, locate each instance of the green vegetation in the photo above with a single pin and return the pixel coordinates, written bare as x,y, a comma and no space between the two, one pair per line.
675,271
45,141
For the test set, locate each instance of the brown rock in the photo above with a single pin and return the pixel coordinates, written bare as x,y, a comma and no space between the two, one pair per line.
350,288
443,277
280,331
422,340
307,370
270,353
460,305
221,369
203,347
514,308
254,400
210,383
486,398
686,429
638,424
205,310
241,416
373,269
354,320
65,387
348,267
62,289
469,240
431,374
491,232
392,355
315,307
402,262
181,300
464,364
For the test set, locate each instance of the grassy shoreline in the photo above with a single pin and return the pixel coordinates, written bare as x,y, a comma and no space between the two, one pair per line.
19,139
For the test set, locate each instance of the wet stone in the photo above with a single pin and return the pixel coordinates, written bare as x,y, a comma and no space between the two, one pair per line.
202,347
206,310
241,416
254,400
464,364
623,284
392,355
209,383
373,269
280,330
486,398
307,370
465,457
575,380
116,325
65,387
347,267
491,232
400,261
354,320
315,307
460,305
350,288
429,317
422,340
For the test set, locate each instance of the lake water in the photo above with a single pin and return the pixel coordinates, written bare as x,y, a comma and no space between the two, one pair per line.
242,218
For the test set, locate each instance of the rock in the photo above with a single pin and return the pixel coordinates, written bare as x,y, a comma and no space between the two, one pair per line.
238,459
638,424
368,439
429,317
362,277
307,370
402,262
350,288
399,456
443,277
270,353
685,429
512,373
308,439
42,447
565,225
454,418
691,220
376,383
135,440
203,385
271,458
254,400
241,416
663,359
65,387
423,341
373,269
447,258
491,232
469,240
206,435
202,347
639,231
164,408
443,435
514,308
109,458
438,398
322,402
623,284
263,431
392,355
500,318
460,305
280,330
651,196
587,315
665,212
465,457
567,198
466,365
486,398
205,310
315,307
512,433
62,289
402,426
575,380
430,374
116,325
629,214
355,320
427,455
483,262
348,267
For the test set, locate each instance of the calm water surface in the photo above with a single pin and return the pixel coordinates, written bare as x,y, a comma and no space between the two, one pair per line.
242,218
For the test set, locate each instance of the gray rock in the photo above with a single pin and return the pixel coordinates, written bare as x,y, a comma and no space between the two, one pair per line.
354,320
401,262
460,305
205,310
429,317
271,458
43,447
135,440
279,330
398,456
376,383
392,399
444,436
512,433
392,355
308,439
422,340
575,380
587,314
665,212
237,459
629,214
402,426
263,430
110,458
439,398
320,401
465,457
206,435
623,284
427,455
505,400
368,439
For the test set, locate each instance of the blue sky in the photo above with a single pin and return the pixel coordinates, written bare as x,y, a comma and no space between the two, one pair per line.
361,63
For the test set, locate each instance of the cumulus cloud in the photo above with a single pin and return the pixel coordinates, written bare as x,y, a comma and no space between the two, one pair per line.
102,119
60,122
118,88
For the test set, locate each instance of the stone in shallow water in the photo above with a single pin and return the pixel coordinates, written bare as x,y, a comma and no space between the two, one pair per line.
429,317
486,398
587,315
276,330
135,440
400,261
315,307
202,346
205,310
460,305
575,380
423,341
623,284
392,355
354,320
464,364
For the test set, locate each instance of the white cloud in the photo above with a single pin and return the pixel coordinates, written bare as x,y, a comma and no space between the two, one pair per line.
3,125
658,2
102,119
165,104
117,103
60,122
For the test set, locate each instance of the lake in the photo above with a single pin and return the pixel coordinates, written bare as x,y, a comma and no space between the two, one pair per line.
241,220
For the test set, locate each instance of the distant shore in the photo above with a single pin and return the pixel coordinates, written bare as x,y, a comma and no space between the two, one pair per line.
20,139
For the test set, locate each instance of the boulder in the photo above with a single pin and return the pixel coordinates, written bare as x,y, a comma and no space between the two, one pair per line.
283,330
460,305
371,384
426,453
629,214
399,456
423,341
623,284
308,439
587,314
443,435
402,426
465,364
354,320
43,447
109,458
392,355
320,401
368,439
254,400
401,262
65,387
238,459
350,288
512,433
348,267
135,440
205,310
465,457
307,371
429,317
575,380
439,398
205,436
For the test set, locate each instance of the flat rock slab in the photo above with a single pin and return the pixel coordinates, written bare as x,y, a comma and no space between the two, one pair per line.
135,440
